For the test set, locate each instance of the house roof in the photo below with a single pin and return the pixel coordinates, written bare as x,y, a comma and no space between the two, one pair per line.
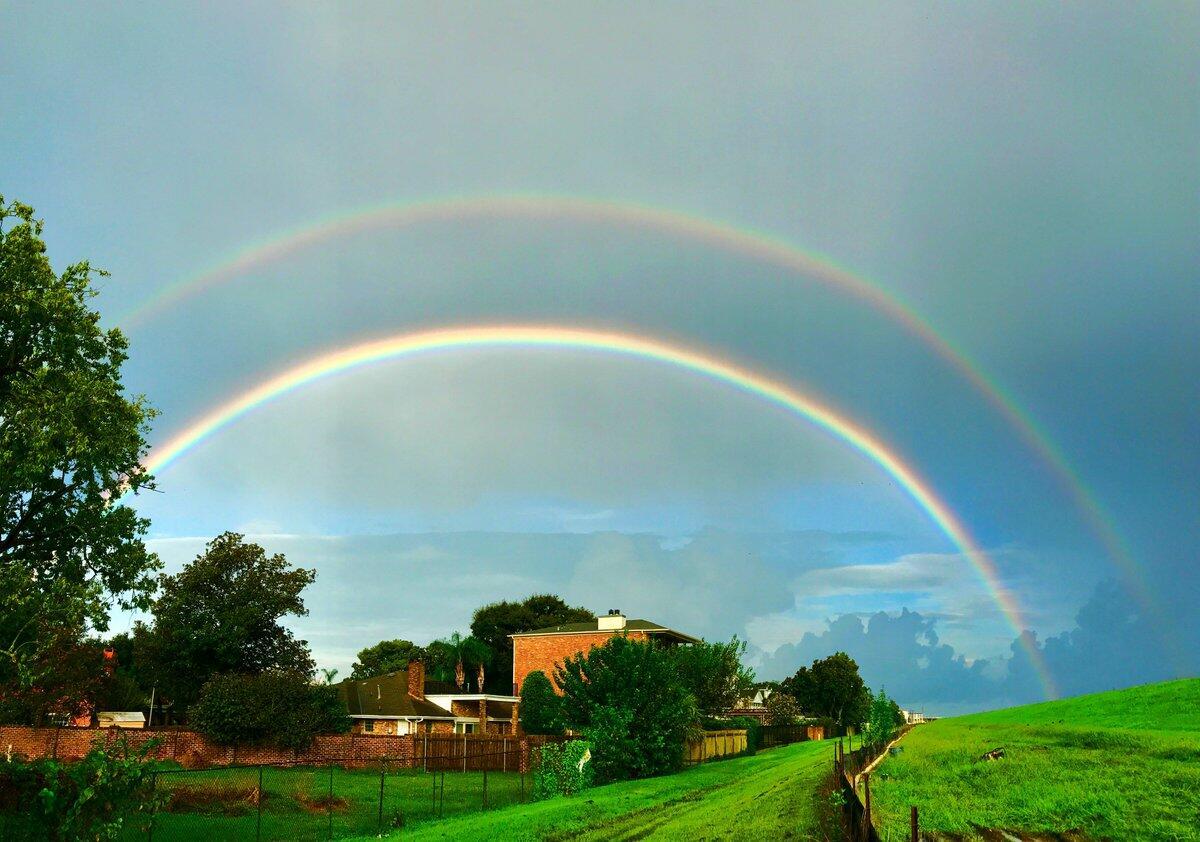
387,695
593,626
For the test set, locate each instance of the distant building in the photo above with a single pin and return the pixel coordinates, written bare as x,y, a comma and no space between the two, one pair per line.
405,703
545,649
913,717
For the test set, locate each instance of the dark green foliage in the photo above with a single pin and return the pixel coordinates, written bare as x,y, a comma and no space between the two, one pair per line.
71,442
384,657
782,709
457,659
493,623
713,673
94,798
625,697
881,721
281,709
220,614
541,708
832,687
753,731
562,769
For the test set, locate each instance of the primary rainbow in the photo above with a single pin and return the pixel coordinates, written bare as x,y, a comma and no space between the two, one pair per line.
754,244
627,345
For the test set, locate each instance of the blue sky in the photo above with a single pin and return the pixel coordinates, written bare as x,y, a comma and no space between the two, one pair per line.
1026,177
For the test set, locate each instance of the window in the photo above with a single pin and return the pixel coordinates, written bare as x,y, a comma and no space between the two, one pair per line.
464,727
369,726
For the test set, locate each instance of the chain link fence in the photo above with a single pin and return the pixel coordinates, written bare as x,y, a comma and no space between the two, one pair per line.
268,802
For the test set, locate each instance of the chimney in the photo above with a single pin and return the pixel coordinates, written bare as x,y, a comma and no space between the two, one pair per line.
614,620
416,678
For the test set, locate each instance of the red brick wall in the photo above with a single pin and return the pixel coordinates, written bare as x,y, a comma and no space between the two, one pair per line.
546,651
193,750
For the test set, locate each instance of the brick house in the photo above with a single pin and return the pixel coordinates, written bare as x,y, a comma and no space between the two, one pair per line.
544,649
404,702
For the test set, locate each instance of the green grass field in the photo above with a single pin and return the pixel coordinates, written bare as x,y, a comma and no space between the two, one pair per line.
1118,765
218,804
772,795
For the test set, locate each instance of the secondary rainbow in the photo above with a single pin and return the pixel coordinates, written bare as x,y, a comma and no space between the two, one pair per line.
627,345
753,244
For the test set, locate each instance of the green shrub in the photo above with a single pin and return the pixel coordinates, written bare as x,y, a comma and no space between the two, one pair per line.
753,731
281,709
563,769
94,798
626,698
541,707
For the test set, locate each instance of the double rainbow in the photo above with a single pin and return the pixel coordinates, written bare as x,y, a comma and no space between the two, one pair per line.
753,244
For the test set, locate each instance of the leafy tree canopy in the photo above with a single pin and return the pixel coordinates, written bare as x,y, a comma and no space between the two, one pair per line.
832,688
541,707
714,674
285,709
384,657
493,623
782,709
71,443
626,698
220,614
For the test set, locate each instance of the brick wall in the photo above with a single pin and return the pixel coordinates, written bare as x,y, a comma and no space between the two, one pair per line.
194,751
546,651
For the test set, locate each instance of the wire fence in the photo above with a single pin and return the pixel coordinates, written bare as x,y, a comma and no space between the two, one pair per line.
270,802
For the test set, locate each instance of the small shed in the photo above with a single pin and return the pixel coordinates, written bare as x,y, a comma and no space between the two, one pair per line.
121,719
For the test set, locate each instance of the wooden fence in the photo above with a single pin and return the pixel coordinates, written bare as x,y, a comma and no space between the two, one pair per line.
715,744
848,772
476,752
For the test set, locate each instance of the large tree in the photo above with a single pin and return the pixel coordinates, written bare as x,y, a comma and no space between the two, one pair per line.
831,688
714,674
384,657
71,445
626,698
220,614
493,623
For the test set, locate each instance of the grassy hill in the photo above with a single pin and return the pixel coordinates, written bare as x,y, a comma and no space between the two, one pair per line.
1117,765
771,795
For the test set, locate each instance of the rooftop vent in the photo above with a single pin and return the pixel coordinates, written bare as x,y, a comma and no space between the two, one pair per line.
612,621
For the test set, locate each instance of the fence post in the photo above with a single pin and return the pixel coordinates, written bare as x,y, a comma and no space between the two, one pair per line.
382,771
914,833
329,804
485,786
153,805
425,754
464,751
866,802
504,755
259,800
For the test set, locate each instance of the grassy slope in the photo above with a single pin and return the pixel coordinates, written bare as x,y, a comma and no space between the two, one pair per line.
768,796
1119,765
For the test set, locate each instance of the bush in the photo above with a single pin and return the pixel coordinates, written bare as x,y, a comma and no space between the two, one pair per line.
281,709
753,731
541,707
625,697
563,769
94,798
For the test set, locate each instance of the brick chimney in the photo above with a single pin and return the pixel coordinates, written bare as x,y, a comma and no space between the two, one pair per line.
416,678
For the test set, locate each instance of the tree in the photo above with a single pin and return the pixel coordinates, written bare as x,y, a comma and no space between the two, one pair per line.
493,623
284,709
220,614
882,719
782,709
457,659
831,688
384,657
714,674
626,698
71,445
541,708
